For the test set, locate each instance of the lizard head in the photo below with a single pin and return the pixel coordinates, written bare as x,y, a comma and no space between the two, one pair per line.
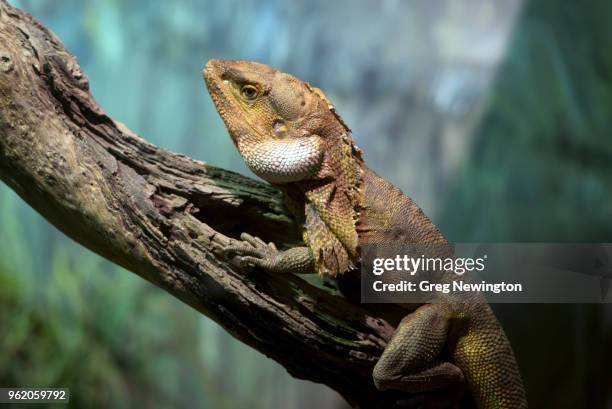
277,122
259,98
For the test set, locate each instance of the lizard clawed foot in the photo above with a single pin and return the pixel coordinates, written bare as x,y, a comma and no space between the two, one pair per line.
250,252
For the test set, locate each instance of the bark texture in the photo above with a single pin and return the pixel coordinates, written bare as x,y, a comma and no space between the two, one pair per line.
159,214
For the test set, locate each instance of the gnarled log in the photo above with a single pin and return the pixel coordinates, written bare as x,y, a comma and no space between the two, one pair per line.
158,214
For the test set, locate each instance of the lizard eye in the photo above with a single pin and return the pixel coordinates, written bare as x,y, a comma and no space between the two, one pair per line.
249,92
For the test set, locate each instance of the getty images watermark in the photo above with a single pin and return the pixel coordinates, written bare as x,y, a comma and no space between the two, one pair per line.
451,266
499,273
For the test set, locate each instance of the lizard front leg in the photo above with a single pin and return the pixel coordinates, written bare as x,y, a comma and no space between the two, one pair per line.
254,252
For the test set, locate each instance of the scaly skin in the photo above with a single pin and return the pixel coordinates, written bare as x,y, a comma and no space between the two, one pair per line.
290,135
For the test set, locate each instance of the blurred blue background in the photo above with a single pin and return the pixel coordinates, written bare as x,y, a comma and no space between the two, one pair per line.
494,115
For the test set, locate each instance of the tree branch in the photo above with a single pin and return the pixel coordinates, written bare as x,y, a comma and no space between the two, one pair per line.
157,214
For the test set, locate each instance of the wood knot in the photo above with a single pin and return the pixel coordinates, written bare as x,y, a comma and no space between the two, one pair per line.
6,63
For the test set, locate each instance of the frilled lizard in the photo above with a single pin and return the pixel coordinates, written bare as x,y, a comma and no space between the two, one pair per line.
289,134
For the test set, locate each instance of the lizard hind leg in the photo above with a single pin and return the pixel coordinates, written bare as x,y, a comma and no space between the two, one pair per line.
410,362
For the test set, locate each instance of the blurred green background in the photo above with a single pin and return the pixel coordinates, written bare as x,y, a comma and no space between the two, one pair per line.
494,115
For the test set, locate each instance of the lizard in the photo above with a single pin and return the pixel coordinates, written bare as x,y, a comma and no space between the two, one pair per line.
289,134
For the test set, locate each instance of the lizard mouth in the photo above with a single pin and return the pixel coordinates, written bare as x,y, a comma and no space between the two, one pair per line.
218,76
221,95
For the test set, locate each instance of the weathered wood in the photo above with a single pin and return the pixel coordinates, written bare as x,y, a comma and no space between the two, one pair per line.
158,214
